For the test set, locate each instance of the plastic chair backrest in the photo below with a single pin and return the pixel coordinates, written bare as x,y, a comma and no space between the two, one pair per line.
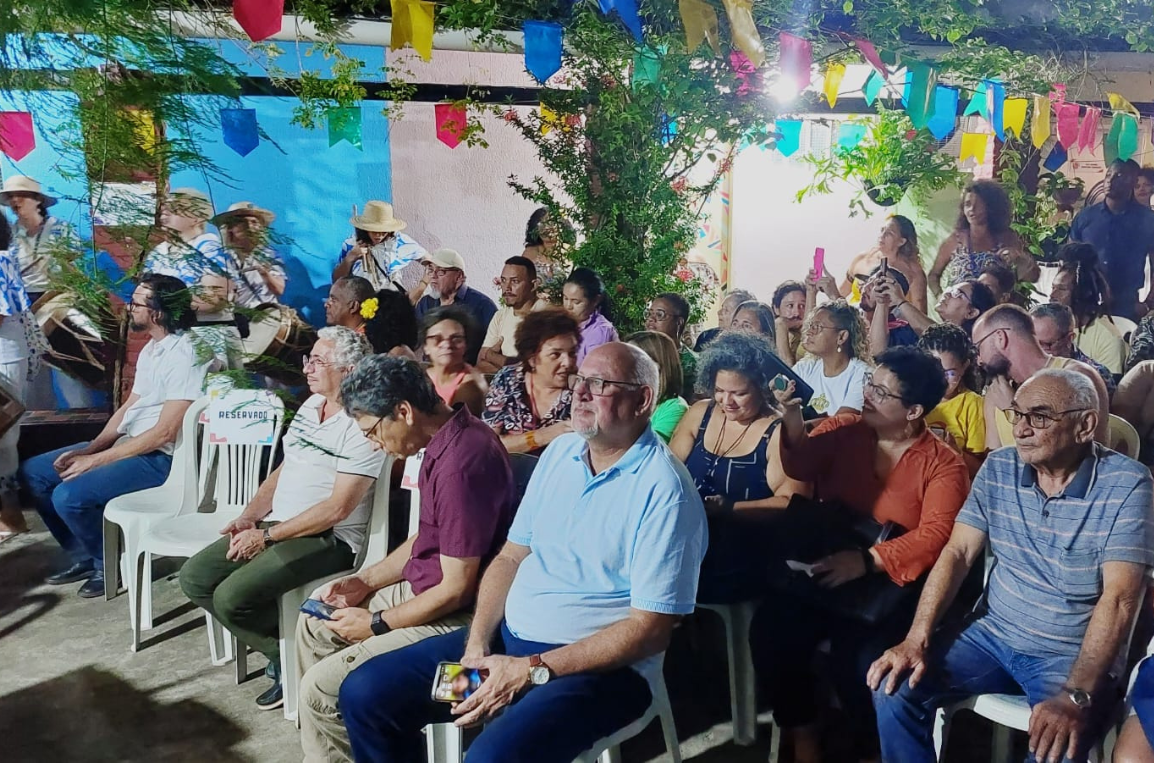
409,482
1123,437
186,452
241,466
376,545
1125,325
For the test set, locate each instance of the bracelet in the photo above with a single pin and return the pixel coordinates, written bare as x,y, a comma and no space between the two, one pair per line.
531,440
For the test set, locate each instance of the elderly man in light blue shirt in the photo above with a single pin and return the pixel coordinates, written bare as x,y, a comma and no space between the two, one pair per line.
573,614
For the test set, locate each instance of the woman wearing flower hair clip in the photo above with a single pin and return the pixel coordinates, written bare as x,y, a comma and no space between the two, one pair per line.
445,332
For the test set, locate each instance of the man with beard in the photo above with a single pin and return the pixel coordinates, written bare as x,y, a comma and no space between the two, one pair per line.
1122,231
519,291
1008,353
70,486
446,272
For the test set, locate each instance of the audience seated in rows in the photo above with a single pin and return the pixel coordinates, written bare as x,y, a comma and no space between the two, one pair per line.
668,313
70,486
959,419
519,286
528,402
573,615
583,296
886,491
445,331
725,312
307,520
446,273
789,312
671,406
425,587
835,339
1067,524
1054,329
1081,286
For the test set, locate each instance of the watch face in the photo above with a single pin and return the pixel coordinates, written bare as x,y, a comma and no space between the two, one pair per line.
539,674
1081,698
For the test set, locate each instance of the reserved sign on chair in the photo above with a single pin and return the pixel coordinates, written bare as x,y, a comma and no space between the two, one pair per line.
242,416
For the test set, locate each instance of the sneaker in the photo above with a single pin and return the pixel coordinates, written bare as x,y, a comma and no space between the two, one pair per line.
93,587
71,574
271,698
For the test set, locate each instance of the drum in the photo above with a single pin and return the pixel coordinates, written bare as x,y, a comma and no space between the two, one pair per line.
77,344
277,339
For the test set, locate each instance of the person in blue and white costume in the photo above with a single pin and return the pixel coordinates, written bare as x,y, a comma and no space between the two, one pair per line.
39,239
382,255
257,272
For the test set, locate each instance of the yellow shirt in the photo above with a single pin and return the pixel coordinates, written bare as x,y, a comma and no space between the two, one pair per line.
963,417
1005,430
1102,342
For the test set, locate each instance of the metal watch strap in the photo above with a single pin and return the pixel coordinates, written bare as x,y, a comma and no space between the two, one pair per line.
267,538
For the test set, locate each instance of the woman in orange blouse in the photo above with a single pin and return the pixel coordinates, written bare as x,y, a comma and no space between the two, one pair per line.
883,464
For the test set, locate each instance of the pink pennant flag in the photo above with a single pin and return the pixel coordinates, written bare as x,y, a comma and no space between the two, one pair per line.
870,53
1058,95
16,136
1088,134
1068,124
260,19
451,123
795,59
746,73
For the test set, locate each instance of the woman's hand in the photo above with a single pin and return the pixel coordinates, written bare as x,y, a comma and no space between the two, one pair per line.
827,284
839,568
888,291
783,389
718,504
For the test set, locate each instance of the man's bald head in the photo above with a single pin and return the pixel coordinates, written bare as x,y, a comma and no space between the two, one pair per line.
1066,403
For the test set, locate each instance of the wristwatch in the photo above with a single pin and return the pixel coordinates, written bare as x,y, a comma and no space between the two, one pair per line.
1078,696
267,538
539,671
378,625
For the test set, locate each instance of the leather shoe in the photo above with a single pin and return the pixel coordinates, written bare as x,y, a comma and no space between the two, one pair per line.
93,587
72,574
271,698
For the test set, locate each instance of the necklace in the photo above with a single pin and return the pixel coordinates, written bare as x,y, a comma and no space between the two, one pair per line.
721,436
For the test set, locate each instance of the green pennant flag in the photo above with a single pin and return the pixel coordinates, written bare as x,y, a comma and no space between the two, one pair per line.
873,86
647,65
1110,145
979,104
922,79
1127,135
345,124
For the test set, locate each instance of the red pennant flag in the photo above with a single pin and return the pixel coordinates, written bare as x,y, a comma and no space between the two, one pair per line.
870,54
1088,134
796,58
451,123
1068,124
260,19
16,136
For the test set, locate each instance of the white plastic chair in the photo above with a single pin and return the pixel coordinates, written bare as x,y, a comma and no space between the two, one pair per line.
1123,437
130,516
240,468
1125,325
742,684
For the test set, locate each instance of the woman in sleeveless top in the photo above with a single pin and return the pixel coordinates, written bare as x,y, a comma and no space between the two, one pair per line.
445,332
730,446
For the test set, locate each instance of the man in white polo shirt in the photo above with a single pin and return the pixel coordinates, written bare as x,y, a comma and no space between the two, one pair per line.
308,519
70,486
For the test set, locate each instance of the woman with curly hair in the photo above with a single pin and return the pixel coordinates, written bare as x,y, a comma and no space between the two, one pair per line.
836,340
982,236
1081,285
729,443
959,418
392,328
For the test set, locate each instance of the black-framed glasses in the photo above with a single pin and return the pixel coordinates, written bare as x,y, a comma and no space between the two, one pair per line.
876,392
982,340
1037,419
955,291
134,305
372,429
596,386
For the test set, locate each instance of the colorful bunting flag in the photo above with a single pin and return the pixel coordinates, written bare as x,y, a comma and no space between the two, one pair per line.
1120,104
849,135
743,32
413,25
1014,115
795,59
870,54
647,65
920,92
834,74
17,138
748,80
144,128
979,104
1056,159
668,129
1125,133
451,121
626,10
789,136
996,98
974,145
1088,133
1068,124
345,125
946,99
239,130
260,19
542,48
1040,124
700,22
873,86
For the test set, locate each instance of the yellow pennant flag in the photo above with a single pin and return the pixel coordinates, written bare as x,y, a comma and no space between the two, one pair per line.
1014,115
743,31
1040,124
834,74
1120,104
700,21
143,128
413,25
974,145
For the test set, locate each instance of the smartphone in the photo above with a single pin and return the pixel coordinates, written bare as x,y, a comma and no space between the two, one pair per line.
939,430
454,683
884,270
318,609
818,262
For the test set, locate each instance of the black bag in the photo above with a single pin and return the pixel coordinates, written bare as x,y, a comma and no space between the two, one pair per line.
810,530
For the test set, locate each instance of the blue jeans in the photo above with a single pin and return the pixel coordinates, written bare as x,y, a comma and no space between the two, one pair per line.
386,701
73,511
975,663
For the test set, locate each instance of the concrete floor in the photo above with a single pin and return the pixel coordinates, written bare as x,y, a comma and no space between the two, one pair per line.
72,690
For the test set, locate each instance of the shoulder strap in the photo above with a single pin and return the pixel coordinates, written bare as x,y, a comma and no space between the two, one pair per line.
705,423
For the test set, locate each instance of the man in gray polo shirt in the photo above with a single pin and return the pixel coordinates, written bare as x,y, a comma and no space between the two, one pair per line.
1070,535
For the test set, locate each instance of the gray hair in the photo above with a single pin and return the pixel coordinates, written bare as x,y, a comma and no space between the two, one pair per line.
349,346
1083,394
645,372
1059,314
380,383
739,297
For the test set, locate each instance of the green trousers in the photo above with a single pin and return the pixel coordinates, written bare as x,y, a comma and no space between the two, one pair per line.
245,596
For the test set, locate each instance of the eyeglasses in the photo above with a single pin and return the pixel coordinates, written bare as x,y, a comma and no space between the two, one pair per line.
879,393
372,429
955,291
596,386
134,305
982,340
660,315
454,340
814,328
440,272
1037,420
315,362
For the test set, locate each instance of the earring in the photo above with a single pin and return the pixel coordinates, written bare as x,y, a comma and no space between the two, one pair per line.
839,349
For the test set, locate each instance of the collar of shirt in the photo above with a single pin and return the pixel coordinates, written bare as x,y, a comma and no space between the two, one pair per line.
595,318
631,462
1079,486
166,343
447,434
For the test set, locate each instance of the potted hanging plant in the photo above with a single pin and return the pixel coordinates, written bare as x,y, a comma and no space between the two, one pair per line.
891,161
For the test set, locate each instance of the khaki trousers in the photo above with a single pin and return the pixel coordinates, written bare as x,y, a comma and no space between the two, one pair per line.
324,660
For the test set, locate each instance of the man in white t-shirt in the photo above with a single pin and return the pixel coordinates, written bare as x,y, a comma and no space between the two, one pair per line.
70,486
308,519
519,295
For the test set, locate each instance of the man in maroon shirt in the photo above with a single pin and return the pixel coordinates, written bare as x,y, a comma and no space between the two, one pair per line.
426,586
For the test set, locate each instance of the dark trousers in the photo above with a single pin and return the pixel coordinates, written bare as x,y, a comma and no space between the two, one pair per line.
386,701
245,595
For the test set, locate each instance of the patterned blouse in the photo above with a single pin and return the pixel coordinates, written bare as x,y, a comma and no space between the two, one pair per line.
507,404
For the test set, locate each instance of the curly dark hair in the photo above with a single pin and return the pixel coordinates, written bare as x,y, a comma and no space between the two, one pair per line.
394,324
742,352
1090,296
920,376
540,326
379,383
171,300
784,289
533,228
998,208
457,314
948,338
910,233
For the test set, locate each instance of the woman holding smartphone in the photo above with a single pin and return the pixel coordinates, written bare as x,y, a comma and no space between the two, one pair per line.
959,418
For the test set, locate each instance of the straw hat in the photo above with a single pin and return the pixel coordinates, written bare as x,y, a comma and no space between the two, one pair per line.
24,185
378,217
238,209
446,258
191,202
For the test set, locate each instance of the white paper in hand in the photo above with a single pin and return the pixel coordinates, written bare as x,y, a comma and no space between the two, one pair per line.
800,567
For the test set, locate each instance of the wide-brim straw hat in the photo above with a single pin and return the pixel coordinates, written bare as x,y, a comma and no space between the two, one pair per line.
190,202
239,209
377,217
24,185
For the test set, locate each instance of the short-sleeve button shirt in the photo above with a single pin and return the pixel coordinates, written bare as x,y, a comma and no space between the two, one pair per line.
166,370
1122,241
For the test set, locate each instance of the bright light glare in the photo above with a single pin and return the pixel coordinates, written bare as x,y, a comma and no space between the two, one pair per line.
784,90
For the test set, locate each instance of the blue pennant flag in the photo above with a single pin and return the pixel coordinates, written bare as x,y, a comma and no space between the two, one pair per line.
849,135
941,125
542,48
239,129
996,93
627,12
1056,159
978,103
873,86
789,136
668,128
